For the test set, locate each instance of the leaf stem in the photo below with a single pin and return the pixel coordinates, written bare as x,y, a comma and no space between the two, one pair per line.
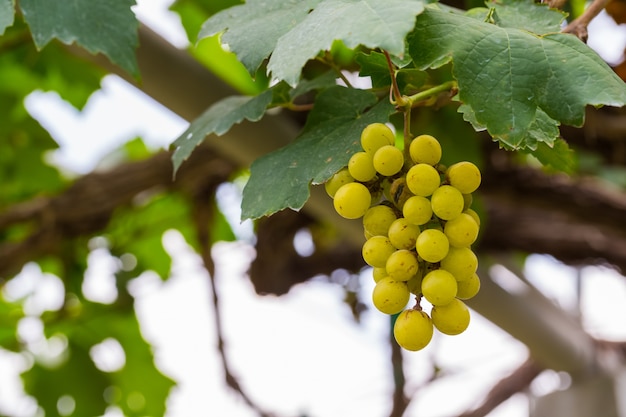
398,98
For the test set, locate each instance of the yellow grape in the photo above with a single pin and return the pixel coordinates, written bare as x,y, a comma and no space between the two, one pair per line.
417,210
422,179
447,202
375,136
464,176
425,149
340,178
403,234
473,214
461,231
468,199
452,318
361,167
439,287
460,262
377,220
432,245
352,200
376,250
402,265
468,288
388,160
413,329
379,273
390,296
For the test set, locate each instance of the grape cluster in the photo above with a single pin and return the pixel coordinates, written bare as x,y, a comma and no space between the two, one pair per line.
419,229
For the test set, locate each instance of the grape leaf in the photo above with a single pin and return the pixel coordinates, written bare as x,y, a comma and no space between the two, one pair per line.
7,14
372,23
559,156
527,15
251,30
331,135
107,26
505,75
218,119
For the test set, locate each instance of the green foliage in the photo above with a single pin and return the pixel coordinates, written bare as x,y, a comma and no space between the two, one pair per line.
507,75
331,135
218,119
107,26
138,388
7,11
296,31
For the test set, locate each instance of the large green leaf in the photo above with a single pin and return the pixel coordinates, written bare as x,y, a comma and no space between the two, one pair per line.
372,23
506,75
107,26
7,14
281,179
251,30
218,119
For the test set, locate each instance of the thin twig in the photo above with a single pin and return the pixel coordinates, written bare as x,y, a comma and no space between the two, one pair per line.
513,383
579,25
203,212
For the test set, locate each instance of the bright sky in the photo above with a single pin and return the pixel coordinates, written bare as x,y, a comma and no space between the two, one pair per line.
301,353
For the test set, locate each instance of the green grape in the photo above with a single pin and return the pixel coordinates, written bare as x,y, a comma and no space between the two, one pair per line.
403,234
461,231
377,220
439,287
379,273
468,199
474,215
413,329
452,318
422,179
460,262
388,160
468,288
464,176
447,202
361,167
340,178
390,296
417,210
402,265
377,250
425,149
352,200
375,136
432,245
415,283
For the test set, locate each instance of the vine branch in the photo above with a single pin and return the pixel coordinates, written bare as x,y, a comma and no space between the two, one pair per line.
203,211
579,25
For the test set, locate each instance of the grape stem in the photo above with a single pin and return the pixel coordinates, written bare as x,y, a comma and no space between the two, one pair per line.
423,95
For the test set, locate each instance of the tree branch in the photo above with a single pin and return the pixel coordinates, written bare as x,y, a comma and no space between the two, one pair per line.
515,382
579,25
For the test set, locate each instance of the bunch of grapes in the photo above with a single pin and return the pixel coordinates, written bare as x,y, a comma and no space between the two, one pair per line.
419,229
